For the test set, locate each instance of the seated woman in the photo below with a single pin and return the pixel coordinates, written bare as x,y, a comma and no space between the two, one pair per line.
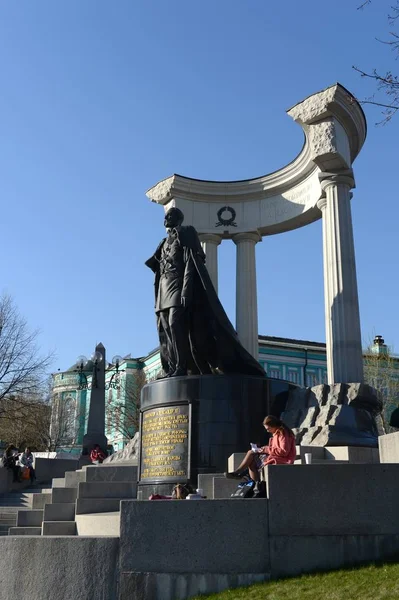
9,461
97,456
281,450
27,461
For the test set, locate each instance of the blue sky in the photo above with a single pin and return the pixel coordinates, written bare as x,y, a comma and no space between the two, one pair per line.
100,100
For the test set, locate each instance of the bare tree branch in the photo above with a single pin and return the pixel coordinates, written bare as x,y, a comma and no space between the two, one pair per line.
388,83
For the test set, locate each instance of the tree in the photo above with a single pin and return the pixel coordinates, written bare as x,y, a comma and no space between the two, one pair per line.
381,371
22,368
25,422
387,83
22,374
123,408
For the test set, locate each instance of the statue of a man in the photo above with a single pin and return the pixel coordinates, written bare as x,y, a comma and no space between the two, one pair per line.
195,333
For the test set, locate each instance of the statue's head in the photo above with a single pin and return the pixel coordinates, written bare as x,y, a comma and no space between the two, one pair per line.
173,218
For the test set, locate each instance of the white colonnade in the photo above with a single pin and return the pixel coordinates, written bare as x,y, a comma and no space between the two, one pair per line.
343,335
315,185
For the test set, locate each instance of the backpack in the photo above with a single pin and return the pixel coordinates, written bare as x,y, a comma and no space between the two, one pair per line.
245,489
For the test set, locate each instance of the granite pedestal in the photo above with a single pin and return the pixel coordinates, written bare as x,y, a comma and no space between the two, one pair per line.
191,425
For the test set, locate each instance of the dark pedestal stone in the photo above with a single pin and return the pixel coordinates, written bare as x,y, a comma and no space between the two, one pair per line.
191,425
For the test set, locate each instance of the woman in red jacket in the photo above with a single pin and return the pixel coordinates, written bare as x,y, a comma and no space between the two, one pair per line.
281,450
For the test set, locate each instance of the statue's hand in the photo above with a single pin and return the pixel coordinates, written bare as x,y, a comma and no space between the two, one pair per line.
184,301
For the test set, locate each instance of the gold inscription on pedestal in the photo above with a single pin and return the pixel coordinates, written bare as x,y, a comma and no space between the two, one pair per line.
164,442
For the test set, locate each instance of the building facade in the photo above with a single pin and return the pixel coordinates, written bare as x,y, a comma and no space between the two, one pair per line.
298,361
301,362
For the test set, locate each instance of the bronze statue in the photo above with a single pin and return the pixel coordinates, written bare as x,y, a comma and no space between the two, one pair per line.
195,334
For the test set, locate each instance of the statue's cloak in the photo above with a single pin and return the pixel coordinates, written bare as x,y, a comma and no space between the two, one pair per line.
213,341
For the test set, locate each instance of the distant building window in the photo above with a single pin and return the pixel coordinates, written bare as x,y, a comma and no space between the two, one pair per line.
275,373
311,379
292,376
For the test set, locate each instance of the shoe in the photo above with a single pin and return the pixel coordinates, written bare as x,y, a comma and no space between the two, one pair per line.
233,475
259,489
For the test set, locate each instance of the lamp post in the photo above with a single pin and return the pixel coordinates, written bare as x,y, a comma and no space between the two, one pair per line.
96,422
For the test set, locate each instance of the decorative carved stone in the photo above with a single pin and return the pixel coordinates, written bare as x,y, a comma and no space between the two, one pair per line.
129,453
334,415
313,107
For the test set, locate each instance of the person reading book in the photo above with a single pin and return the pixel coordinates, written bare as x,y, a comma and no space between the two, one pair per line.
281,450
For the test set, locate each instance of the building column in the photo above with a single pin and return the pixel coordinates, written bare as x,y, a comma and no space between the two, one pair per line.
343,336
246,292
210,243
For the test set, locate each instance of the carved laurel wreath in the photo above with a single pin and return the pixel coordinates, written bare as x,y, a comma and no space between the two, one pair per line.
226,222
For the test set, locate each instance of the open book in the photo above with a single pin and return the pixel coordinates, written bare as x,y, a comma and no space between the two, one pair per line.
254,447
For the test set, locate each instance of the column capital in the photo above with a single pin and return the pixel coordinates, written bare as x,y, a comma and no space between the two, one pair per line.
322,203
248,236
344,178
213,238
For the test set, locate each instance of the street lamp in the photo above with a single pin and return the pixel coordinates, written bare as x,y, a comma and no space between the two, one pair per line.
81,363
115,381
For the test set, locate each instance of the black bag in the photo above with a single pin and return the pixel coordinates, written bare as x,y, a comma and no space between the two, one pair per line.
245,489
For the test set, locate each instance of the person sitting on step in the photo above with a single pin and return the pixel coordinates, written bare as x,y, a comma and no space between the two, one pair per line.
9,461
281,450
97,455
27,461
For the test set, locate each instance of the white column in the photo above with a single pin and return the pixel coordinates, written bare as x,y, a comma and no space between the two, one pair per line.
343,336
210,243
246,293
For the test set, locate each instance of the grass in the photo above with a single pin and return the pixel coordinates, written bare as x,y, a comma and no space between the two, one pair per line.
375,582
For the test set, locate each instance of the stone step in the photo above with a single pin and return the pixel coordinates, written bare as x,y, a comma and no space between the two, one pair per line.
40,500
98,524
25,531
223,487
63,511
30,518
205,482
126,473
58,482
97,505
107,489
64,495
73,478
59,528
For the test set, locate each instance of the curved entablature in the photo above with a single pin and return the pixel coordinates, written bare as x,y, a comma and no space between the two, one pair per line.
335,129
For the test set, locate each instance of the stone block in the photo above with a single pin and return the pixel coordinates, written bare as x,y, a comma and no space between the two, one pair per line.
64,495
335,499
58,482
352,454
5,480
29,518
69,568
98,524
334,415
64,511
205,482
73,478
97,505
24,531
389,447
112,472
49,468
317,452
294,555
210,536
59,528
107,489
179,586
235,460
40,500
223,488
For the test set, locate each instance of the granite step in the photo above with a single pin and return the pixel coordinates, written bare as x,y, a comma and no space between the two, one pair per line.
25,531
